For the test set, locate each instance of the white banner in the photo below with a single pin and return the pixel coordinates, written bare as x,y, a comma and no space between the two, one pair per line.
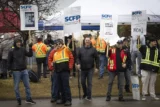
29,17
135,87
139,23
72,20
108,28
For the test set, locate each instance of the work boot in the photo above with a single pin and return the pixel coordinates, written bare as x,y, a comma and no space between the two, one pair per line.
60,101
143,98
121,99
100,77
84,96
30,101
155,98
127,89
108,98
19,101
67,103
53,100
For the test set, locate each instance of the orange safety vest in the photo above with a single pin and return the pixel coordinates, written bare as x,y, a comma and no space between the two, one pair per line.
101,45
112,59
93,41
61,55
40,50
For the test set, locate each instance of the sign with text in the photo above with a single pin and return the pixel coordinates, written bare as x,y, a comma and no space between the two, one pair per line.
72,20
106,26
135,87
139,23
29,17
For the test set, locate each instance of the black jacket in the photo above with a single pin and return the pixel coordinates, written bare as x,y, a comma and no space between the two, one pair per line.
149,67
17,58
86,57
128,60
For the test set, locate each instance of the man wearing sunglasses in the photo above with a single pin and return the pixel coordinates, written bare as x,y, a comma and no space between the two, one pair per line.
63,63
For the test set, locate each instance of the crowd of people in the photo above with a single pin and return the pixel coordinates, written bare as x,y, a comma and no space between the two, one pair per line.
62,56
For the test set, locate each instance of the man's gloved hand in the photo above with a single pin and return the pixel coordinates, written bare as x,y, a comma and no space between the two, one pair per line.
96,70
78,66
30,45
124,65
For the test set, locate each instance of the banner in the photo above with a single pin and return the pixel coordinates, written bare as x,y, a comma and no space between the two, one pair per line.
106,26
135,87
139,23
29,17
72,20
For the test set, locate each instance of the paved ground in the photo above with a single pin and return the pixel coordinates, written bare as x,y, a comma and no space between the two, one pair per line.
96,102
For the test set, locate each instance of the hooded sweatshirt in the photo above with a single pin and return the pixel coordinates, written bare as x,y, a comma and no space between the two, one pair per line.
17,57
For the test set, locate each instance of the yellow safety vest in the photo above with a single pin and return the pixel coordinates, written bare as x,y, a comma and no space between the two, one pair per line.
39,52
61,56
148,61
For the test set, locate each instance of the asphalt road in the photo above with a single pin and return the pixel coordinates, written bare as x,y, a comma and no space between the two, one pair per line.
96,102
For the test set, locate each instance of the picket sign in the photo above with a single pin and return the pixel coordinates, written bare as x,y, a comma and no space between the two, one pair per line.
135,87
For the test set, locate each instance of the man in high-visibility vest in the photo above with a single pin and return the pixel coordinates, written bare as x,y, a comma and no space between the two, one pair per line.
63,63
101,46
116,66
40,50
149,68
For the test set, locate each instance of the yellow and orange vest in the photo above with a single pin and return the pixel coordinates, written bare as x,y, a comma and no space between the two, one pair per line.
101,45
40,50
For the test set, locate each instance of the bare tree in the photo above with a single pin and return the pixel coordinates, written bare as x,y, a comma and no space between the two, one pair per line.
10,13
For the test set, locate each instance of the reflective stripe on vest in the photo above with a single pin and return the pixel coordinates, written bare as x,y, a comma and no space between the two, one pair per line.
101,49
63,58
39,52
147,61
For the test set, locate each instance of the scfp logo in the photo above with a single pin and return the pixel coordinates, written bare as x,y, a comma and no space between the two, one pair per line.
137,13
72,18
105,16
26,7
135,85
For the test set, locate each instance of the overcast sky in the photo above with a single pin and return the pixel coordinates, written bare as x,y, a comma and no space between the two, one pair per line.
97,7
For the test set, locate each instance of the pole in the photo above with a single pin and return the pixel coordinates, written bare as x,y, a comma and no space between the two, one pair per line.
138,42
29,40
72,42
29,37
79,83
107,50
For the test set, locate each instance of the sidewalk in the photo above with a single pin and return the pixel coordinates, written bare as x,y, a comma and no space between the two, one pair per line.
96,102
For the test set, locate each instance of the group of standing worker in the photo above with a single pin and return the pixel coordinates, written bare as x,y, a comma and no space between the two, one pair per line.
95,55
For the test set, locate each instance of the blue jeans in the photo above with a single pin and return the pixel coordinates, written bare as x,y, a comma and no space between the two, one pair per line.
17,77
103,63
134,55
54,86
87,89
63,85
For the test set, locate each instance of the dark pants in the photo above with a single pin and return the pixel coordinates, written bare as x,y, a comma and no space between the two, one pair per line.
4,68
120,76
41,61
63,85
127,75
87,75
74,70
54,86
